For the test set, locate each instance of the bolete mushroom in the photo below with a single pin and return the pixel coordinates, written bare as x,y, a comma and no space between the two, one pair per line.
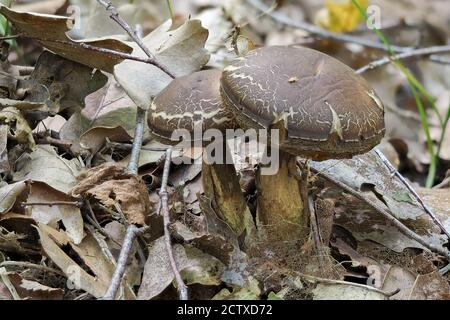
193,103
322,108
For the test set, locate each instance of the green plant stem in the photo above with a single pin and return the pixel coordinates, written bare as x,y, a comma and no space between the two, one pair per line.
416,86
169,6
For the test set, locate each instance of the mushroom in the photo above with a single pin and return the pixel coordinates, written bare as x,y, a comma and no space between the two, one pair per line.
322,109
193,102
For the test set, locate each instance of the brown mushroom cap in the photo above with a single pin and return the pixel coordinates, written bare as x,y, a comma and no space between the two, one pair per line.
187,102
329,111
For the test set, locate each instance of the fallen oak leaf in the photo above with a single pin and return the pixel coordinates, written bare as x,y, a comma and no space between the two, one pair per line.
35,25
112,184
180,50
45,165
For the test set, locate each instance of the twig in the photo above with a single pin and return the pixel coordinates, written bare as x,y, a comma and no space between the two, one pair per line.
131,233
427,209
133,164
31,266
13,36
118,54
182,289
404,55
318,243
93,220
53,203
114,15
325,34
387,215
129,146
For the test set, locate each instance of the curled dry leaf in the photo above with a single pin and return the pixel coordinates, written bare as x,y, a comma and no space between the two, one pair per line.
51,240
33,290
111,184
194,265
50,215
94,139
50,31
181,51
19,130
45,165
9,194
345,291
60,83
369,175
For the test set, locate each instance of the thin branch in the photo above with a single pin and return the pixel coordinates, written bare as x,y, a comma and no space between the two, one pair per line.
114,15
404,55
53,203
325,34
30,265
322,33
387,215
182,289
133,164
129,146
131,233
118,54
427,209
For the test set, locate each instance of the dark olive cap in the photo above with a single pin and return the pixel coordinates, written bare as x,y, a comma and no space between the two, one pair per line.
329,111
187,102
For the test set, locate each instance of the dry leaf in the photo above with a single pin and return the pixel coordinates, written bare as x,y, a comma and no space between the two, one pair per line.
50,215
111,184
50,31
181,51
45,165
194,265
9,194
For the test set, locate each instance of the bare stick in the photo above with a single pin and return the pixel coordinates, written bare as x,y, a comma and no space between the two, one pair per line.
325,34
53,203
114,15
387,215
129,146
427,209
133,164
119,54
182,289
404,55
30,265
132,232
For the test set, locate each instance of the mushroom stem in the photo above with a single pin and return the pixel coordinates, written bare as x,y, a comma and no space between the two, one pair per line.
280,206
221,186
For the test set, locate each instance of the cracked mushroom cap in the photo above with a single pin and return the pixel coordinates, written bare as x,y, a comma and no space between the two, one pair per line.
329,111
189,102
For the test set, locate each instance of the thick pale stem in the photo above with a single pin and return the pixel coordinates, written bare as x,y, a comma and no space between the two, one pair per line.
221,187
280,206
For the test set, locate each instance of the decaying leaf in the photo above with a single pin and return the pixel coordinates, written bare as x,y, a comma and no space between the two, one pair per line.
194,265
90,252
60,83
368,174
50,215
33,290
111,184
345,291
50,31
45,165
9,194
95,138
250,291
19,130
180,51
